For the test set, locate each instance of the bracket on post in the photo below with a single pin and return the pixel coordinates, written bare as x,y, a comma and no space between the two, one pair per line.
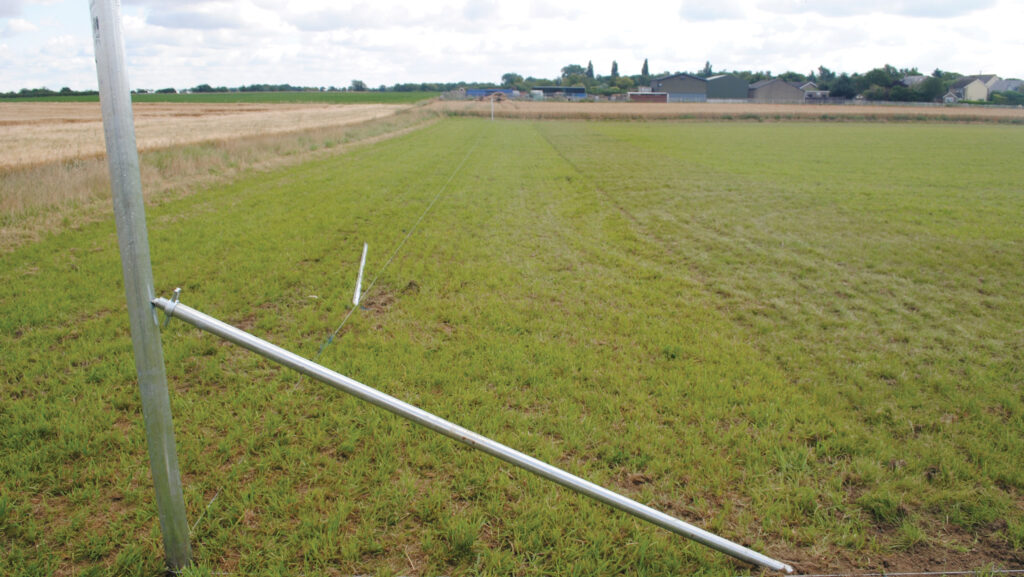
175,298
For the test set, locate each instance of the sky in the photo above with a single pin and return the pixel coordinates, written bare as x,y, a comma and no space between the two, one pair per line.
184,43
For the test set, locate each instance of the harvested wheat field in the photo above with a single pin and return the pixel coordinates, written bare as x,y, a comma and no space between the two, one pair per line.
33,133
731,111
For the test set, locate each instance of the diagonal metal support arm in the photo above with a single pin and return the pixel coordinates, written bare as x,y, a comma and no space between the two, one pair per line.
448,429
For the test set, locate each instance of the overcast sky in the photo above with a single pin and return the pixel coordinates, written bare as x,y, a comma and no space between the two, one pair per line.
183,43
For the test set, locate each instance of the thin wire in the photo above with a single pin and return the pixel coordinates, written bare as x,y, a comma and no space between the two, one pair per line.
394,253
208,505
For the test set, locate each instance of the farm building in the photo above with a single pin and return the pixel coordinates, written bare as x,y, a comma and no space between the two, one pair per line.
659,97
775,90
682,88
570,92
727,87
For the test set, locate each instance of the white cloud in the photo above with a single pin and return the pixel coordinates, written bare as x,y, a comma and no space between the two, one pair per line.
475,10
913,8
203,18
703,10
17,26
553,11
357,17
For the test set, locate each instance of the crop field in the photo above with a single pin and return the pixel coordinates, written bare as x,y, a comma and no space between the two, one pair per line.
255,98
37,133
805,337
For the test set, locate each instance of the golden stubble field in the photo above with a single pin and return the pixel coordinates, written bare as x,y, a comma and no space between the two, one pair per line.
40,133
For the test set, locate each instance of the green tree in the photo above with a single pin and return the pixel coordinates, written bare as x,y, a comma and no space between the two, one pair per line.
930,90
1008,98
615,70
590,70
793,77
573,75
573,70
511,79
623,83
843,87
876,92
885,77
707,71
645,72
357,86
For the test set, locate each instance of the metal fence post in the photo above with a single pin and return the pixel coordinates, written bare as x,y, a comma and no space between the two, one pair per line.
132,238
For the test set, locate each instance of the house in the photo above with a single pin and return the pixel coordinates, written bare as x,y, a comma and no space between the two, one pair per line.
682,88
811,92
726,87
977,87
776,90
1008,85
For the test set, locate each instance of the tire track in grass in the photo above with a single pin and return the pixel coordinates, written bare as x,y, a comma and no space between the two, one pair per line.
732,371
856,352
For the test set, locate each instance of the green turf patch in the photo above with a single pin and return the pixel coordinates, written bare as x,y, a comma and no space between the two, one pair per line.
804,337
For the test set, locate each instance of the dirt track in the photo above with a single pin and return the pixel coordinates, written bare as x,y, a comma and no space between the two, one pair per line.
39,133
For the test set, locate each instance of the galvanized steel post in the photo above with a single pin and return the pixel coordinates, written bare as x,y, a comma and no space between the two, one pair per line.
132,238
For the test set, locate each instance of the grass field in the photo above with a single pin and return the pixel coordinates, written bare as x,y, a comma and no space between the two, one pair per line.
257,98
53,172
804,337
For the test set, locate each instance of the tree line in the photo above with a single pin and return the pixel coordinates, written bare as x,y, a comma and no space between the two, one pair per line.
885,83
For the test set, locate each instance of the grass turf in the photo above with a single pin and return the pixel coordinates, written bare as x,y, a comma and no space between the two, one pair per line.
804,337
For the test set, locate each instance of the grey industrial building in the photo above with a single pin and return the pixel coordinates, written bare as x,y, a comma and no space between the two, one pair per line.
727,87
682,87
775,90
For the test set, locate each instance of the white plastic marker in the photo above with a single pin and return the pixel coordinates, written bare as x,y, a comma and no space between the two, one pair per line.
359,280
